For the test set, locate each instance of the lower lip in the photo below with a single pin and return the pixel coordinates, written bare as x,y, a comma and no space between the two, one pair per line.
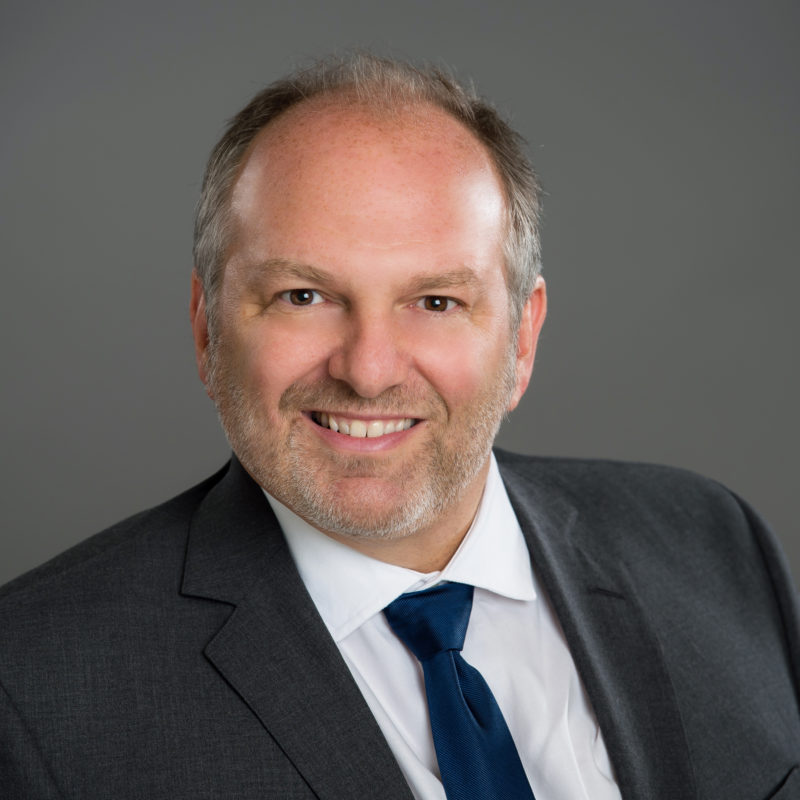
364,444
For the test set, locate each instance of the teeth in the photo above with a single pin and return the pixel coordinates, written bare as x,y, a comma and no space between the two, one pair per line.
360,428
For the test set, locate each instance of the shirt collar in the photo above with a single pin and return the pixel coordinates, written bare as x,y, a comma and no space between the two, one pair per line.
349,587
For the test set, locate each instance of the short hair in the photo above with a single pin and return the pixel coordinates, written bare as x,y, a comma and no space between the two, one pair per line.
387,85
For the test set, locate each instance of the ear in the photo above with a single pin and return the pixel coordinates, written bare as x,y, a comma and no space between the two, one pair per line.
197,315
533,314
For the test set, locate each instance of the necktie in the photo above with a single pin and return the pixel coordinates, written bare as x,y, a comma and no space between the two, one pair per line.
477,757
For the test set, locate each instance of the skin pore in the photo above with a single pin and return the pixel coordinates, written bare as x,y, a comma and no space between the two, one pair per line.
363,359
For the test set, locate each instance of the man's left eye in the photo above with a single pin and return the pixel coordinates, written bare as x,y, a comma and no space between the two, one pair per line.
302,297
437,302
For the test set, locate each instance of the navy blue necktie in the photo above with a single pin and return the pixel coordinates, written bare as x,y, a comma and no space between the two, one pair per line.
477,757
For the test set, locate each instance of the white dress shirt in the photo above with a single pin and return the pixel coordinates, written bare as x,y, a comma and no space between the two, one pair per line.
513,639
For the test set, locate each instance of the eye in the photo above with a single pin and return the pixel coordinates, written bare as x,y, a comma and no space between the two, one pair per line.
301,297
437,302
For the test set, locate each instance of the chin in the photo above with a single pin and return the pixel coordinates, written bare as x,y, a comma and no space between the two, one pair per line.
374,509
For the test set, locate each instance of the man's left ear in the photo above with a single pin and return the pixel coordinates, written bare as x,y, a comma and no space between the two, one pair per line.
533,313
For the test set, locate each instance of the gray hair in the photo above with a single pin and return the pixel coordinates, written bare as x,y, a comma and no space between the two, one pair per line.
386,85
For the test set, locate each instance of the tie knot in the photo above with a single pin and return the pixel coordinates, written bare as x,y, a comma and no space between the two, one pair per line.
433,620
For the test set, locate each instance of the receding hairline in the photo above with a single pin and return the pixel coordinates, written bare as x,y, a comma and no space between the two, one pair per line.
463,143
344,103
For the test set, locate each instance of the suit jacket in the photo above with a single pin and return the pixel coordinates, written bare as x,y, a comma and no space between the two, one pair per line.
178,655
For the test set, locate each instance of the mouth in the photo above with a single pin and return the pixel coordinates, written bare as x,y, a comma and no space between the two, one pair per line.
362,428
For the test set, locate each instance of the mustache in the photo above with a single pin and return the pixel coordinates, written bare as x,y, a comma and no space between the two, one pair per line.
335,395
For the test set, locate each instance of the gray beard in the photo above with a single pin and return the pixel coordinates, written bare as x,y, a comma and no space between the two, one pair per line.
439,477
449,475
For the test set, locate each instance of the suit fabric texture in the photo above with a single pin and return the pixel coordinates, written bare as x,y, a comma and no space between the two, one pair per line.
178,655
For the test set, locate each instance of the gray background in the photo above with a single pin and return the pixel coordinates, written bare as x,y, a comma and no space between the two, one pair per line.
666,135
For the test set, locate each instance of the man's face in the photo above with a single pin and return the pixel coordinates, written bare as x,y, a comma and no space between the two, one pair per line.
364,358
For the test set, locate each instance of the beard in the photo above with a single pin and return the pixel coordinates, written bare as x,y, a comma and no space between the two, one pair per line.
371,496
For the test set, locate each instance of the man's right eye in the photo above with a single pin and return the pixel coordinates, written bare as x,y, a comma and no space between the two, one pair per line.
301,297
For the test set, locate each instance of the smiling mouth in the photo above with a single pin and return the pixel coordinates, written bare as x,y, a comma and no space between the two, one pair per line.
362,428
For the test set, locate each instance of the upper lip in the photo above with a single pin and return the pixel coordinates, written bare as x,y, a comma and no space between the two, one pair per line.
367,417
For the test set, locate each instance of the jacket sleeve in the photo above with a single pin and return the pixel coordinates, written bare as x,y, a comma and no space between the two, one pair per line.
786,595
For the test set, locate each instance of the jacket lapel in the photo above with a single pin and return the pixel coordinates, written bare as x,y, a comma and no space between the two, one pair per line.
617,654
275,651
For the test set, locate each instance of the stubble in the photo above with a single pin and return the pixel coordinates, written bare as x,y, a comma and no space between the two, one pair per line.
419,487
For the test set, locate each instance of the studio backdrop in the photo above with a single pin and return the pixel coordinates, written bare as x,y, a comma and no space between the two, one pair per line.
665,134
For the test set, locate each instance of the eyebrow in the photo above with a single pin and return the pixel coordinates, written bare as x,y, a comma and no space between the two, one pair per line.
452,279
281,268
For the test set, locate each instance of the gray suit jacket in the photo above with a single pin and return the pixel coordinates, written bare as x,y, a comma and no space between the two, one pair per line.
178,655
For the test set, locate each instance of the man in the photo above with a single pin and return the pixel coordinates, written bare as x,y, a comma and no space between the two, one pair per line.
365,309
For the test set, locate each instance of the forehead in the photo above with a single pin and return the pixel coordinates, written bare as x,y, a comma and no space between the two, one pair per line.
339,128
382,176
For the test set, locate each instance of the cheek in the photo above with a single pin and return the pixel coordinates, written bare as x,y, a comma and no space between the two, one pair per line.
272,358
460,365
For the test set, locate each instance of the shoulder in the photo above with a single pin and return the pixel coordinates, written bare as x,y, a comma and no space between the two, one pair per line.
612,488
648,516
672,529
601,473
146,545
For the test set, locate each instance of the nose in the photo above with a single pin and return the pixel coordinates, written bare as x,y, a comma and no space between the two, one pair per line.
371,357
